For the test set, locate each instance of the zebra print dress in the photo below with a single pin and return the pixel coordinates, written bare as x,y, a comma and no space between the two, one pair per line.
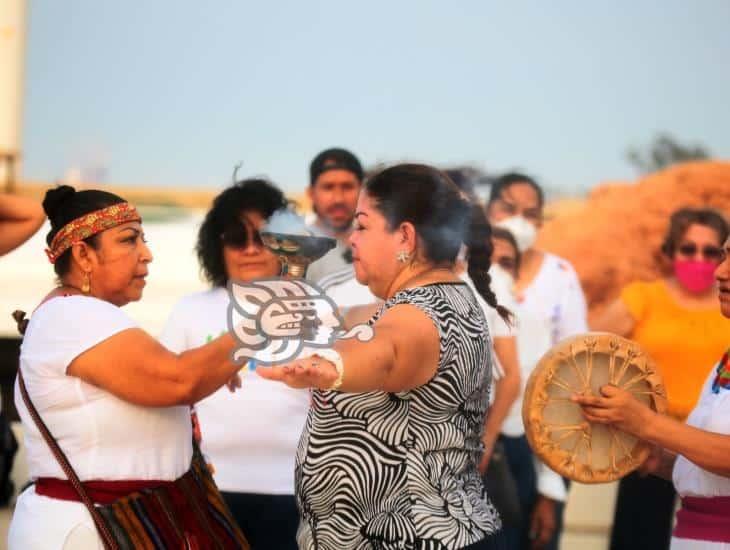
399,470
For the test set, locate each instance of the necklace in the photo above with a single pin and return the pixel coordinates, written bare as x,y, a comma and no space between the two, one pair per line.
67,290
410,280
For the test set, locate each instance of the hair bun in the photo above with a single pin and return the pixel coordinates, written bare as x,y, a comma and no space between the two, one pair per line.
55,198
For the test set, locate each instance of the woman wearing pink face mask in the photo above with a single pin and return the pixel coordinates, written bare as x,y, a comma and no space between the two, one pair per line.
675,319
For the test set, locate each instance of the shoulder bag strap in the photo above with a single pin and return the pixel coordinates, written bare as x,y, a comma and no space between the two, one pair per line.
101,525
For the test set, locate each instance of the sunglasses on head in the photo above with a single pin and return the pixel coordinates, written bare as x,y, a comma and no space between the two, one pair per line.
238,236
709,252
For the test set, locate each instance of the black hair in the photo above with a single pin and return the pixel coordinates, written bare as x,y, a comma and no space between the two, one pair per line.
511,178
683,218
479,257
63,204
335,159
503,234
463,182
442,215
255,194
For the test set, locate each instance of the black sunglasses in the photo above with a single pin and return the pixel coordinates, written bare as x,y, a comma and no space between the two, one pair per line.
709,252
237,236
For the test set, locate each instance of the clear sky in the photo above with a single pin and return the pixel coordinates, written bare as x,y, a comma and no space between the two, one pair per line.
175,92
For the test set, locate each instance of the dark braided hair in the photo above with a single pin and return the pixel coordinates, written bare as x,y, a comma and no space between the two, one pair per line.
480,248
443,216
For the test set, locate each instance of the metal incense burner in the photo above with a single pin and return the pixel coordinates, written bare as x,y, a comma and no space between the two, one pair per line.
296,252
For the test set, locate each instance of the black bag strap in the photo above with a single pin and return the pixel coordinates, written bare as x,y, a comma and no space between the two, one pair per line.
106,536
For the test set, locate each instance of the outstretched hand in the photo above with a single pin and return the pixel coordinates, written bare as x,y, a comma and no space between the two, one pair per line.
308,372
616,407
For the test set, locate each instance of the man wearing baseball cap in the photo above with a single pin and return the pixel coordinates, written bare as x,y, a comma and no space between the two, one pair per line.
335,179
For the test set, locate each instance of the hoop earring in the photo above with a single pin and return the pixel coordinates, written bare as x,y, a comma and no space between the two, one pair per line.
403,256
86,285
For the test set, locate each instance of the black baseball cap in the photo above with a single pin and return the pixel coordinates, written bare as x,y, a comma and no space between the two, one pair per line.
334,159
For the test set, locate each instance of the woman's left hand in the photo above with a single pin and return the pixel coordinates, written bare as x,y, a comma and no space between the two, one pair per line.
616,407
542,523
307,372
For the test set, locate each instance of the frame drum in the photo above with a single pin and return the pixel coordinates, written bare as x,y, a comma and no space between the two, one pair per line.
554,425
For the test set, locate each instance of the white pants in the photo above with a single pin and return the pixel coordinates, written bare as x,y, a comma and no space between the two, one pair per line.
688,544
43,523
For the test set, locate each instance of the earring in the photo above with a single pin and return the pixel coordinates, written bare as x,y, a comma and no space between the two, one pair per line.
403,256
86,285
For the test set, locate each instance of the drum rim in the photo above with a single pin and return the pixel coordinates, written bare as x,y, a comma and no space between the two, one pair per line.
533,403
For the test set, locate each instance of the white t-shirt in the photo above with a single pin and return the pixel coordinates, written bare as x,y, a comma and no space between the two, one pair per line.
104,437
712,414
249,436
335,260
501,285
345,291
549,310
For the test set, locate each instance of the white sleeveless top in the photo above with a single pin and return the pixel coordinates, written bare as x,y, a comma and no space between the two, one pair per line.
249,436
104,437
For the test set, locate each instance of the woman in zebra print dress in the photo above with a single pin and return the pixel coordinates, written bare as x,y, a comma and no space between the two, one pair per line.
388,458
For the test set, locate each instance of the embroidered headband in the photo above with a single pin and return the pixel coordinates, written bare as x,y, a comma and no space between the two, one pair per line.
90,224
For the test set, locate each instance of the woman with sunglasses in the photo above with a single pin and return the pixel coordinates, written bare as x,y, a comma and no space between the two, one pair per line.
675,319
249,437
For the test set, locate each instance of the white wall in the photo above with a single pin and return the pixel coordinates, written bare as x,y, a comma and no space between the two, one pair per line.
26,276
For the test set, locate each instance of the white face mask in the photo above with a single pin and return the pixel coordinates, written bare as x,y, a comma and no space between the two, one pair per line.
501,276
523,231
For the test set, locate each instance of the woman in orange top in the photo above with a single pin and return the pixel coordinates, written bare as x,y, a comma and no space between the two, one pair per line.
675,320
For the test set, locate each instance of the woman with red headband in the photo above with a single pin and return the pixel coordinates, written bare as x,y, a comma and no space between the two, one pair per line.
115,401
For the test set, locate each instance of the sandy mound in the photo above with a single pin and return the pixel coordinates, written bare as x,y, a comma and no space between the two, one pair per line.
614,237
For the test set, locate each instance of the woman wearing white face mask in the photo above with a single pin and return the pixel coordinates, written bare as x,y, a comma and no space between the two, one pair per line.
504,341
675,319
504,334
550,307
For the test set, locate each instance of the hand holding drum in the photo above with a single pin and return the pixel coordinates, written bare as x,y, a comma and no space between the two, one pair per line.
581,441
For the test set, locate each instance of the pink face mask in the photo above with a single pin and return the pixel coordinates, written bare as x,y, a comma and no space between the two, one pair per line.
697,277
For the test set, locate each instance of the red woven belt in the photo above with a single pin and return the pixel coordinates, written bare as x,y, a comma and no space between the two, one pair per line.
704,519
101,492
